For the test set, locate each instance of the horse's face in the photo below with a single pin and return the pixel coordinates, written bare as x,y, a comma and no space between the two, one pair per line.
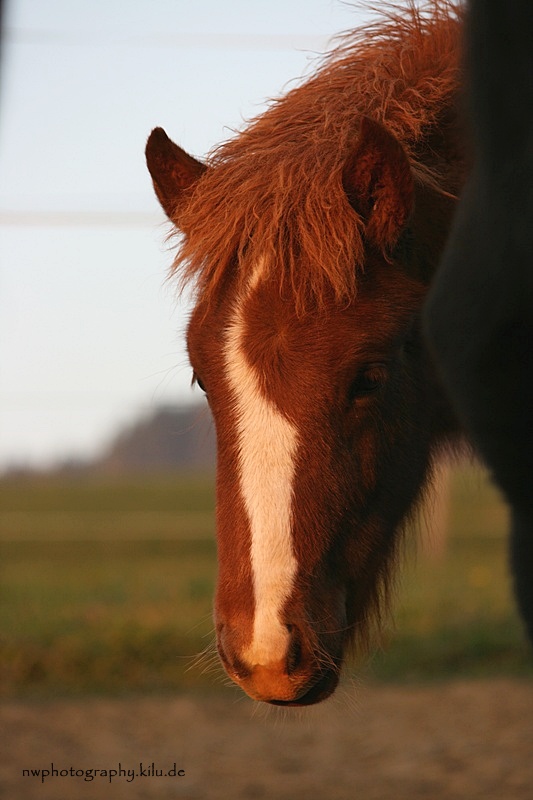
317,418
324,423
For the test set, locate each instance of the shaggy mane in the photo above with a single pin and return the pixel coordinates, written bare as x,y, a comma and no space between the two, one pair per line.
275,193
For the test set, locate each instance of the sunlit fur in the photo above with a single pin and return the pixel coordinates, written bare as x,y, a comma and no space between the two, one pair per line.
267,444
311,239
274,189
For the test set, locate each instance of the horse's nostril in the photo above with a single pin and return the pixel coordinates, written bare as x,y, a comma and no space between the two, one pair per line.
222,652
294,655
228,654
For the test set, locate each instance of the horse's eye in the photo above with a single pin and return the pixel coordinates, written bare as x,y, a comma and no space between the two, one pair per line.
368,381
196,380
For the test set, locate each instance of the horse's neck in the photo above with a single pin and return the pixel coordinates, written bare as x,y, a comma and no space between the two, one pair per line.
443,152
430,226
441,168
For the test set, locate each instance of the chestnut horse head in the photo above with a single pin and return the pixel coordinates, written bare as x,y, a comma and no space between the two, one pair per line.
311,238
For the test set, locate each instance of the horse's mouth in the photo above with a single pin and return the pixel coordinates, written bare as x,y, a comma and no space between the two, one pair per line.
321,690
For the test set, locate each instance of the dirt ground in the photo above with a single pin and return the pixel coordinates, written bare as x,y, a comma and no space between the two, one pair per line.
463,740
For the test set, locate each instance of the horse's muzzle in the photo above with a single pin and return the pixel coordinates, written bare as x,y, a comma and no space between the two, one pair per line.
298,678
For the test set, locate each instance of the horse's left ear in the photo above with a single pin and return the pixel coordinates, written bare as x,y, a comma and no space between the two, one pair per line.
379,183
173,171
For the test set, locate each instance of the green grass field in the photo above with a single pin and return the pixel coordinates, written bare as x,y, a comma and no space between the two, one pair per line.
106,586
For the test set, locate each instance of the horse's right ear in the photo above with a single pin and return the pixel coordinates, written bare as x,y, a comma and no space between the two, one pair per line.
379,184
173,171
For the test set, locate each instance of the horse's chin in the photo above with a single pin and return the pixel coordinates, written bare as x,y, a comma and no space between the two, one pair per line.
321,690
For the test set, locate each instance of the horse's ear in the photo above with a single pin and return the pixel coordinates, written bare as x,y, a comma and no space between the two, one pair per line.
173,171
379,184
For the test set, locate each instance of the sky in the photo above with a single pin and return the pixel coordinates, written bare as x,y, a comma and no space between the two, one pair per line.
91,331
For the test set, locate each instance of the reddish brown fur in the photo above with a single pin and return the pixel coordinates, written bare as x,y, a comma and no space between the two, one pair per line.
342,192
276,187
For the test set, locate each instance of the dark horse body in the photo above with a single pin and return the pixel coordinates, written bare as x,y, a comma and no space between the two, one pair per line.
312,238
479,318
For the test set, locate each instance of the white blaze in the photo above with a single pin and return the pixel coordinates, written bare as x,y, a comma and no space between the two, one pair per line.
266,444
